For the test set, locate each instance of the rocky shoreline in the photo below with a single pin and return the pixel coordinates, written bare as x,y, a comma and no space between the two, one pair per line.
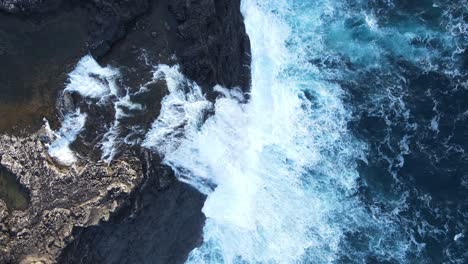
133,203
61,198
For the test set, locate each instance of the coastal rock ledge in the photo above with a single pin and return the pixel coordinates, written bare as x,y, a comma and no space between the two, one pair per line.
92,211
61,198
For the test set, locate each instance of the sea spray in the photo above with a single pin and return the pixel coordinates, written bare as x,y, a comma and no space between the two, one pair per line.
72,124
280,170
97,85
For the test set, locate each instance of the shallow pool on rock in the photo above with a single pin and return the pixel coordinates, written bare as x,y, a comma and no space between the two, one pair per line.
11,192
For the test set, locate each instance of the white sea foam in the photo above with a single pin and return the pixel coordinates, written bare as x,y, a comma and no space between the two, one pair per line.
181,111
71,126
91,80
371,22
111,139
234,93
279,171
279,180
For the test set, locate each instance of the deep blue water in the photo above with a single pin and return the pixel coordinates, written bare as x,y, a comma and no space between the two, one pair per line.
412,111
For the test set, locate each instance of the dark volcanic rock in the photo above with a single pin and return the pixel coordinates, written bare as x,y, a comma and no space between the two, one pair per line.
29,6
163,227
110,20
99,209
213,47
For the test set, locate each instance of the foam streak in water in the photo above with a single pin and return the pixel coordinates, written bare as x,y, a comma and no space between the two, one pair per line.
59,149
91,80
97,84
111,138
181,114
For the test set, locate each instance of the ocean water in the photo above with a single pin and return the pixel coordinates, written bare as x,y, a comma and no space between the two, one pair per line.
349,149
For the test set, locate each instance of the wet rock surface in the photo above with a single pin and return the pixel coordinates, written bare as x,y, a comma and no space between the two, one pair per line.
162,225
132,210
212,46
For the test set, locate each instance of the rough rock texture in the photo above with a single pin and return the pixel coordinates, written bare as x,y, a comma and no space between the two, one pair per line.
28,6
163,226
213,47
110,20
60,198
161,220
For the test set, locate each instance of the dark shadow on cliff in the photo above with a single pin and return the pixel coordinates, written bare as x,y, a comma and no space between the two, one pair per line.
160,225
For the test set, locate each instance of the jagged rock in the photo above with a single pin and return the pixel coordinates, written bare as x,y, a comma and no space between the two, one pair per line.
61,198
213,47
110,20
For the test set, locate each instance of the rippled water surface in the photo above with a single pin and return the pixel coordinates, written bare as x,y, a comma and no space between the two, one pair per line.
352,146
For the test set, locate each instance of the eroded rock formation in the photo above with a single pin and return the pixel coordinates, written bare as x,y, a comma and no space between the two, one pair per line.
212,46
71,206
61,198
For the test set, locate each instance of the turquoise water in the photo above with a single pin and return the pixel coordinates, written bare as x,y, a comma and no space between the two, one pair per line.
318,166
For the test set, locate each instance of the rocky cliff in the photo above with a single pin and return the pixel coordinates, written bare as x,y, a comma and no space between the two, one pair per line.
212,45
133,203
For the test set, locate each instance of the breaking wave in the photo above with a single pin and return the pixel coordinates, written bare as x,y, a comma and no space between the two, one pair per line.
292,176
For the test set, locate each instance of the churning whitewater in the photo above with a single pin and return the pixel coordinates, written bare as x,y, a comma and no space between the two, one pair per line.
281,171
347,150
